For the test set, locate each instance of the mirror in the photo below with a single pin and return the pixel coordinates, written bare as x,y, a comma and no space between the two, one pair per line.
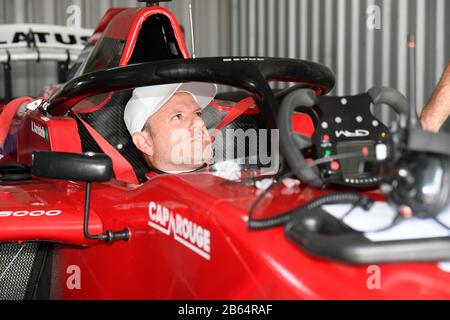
88,167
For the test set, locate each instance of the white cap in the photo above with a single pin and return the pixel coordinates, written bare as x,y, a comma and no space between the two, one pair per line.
145,101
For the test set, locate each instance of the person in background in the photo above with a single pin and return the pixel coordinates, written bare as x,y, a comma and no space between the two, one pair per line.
436,112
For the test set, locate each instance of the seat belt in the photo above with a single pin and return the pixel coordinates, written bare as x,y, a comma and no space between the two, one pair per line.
235,112
122,168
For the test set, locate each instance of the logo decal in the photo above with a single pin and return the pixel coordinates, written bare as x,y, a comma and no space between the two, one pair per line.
183,230
25,213
242,59
349,134
39,130
18,35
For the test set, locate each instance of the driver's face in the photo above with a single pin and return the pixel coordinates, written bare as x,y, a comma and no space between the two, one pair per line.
176,135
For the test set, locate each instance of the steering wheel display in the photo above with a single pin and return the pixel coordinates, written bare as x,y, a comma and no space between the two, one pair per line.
347,140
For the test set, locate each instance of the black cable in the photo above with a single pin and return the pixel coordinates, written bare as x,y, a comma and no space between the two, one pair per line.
335,198
353,207
398,217
339,197
395,221
356,199
441,223
261,196
342,156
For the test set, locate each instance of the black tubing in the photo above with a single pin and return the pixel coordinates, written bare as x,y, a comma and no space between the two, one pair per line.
334,198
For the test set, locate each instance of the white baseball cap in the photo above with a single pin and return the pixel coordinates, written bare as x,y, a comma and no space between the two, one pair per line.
145,101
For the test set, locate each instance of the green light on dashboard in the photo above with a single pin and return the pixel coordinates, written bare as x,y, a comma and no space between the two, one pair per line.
328,152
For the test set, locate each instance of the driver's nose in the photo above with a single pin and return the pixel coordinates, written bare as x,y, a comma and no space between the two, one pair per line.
197,127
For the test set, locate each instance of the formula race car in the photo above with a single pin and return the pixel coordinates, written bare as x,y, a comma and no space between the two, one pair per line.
81,218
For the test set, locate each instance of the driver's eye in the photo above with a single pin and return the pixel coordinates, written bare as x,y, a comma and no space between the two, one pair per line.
199,113
177,117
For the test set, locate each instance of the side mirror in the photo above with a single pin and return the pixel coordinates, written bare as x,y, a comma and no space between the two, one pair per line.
88,167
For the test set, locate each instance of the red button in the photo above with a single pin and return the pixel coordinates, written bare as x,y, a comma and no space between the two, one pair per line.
326,137
334,165
365,151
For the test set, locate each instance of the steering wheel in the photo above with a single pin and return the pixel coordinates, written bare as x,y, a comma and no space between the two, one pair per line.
303,100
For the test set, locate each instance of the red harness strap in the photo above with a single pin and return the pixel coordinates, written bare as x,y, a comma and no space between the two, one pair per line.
239,108
7,116
122,168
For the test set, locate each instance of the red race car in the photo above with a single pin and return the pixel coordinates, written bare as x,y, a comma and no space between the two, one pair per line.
81,218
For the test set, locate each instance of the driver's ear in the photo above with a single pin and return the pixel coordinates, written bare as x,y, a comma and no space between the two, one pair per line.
143,142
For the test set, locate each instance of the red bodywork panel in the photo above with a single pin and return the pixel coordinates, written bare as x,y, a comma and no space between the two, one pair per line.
134,18
106,19
7,114
126,24
38,210
240,264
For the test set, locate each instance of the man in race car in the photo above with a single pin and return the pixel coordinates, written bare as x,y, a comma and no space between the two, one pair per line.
437,110
166,125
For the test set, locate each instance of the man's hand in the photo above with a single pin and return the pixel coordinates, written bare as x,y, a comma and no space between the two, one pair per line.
437,110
